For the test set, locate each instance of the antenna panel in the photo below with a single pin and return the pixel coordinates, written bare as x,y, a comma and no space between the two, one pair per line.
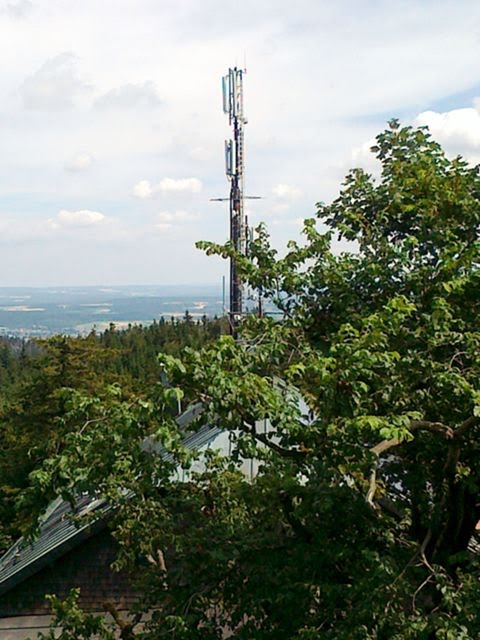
238,93
232,89
233,92
229,158
225,92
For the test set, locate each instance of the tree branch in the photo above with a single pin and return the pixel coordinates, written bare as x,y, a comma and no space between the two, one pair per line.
295,454
372,487
381,447
416,425
438,427
465,426
125,628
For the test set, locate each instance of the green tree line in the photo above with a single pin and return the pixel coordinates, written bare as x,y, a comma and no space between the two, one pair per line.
34,373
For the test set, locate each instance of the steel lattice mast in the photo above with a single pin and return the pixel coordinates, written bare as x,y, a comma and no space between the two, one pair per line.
235,166
232,84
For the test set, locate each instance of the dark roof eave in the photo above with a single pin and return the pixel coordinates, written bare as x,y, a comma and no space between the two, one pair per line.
12,579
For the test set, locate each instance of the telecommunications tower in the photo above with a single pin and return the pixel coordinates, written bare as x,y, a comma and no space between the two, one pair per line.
232,85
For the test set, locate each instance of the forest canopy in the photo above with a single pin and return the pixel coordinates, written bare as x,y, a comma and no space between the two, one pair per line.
361,521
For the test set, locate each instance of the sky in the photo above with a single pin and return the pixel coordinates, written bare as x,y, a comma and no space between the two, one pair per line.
112,129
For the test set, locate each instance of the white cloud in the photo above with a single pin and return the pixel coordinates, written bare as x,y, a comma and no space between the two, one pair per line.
54,85
200,154
163,226
279,208
285,195
79,162
75,219
17,9
458,129
186,185
286,192
176,216
12,229
169,221
130,96
28,228
145,190
291,222
66,227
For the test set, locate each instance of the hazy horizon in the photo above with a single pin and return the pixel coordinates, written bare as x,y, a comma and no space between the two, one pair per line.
44,311
110,285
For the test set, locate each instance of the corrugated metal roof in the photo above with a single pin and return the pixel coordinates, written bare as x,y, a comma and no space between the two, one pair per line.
58,532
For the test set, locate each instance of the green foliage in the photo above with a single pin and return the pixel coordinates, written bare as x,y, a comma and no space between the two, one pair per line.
358,523
75,622
37,414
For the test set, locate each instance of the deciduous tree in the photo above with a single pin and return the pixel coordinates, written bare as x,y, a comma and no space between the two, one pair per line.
361,521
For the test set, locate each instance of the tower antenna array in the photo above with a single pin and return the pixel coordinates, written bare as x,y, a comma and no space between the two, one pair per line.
232,85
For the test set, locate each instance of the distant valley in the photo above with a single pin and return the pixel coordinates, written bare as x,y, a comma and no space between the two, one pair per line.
77,310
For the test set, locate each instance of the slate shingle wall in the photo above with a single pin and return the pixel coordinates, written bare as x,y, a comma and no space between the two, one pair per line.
87,567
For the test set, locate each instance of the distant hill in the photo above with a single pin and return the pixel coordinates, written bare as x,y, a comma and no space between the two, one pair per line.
76,310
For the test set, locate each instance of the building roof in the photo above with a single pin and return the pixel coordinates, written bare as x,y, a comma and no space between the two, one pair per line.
58,533
61,528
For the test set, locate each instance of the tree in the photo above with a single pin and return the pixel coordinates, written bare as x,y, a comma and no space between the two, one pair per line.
34,376
361,520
